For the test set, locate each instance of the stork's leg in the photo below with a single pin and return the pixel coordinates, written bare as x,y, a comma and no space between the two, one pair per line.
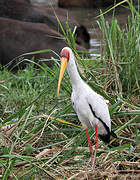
96,145
90,148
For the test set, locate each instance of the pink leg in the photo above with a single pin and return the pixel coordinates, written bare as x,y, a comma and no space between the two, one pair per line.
96,145
90,147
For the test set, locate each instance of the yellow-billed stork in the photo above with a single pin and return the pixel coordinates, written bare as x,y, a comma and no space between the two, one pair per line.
90,107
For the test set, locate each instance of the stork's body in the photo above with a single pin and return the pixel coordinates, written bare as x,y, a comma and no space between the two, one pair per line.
90,107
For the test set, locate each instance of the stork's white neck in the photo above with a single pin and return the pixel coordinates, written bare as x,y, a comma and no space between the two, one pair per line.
73,73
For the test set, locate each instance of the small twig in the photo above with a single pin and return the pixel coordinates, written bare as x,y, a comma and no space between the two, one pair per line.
44,127
7,138
11,130
129,171
30,138
2,81
77,175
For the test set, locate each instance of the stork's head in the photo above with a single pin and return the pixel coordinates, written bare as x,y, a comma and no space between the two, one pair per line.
65,57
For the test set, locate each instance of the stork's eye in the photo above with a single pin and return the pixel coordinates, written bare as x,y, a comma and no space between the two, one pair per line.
65,53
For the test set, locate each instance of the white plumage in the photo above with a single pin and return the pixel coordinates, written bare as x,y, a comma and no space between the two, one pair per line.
81,101
90,107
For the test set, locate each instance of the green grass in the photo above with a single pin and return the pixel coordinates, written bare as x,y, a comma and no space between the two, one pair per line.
122,53
33,120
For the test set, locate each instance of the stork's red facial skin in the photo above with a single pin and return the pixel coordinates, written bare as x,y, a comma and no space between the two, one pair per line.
65,54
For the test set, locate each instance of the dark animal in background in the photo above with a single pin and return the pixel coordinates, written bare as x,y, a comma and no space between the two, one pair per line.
25,27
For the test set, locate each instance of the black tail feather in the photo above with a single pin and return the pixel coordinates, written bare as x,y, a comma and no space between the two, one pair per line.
106,137
113,134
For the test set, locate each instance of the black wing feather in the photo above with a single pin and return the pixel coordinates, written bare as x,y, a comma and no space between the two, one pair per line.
104,137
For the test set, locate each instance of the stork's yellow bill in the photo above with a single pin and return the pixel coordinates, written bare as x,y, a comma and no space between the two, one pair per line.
64,62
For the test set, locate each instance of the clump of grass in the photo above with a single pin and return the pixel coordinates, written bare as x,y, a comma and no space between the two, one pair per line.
41,136
121,53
